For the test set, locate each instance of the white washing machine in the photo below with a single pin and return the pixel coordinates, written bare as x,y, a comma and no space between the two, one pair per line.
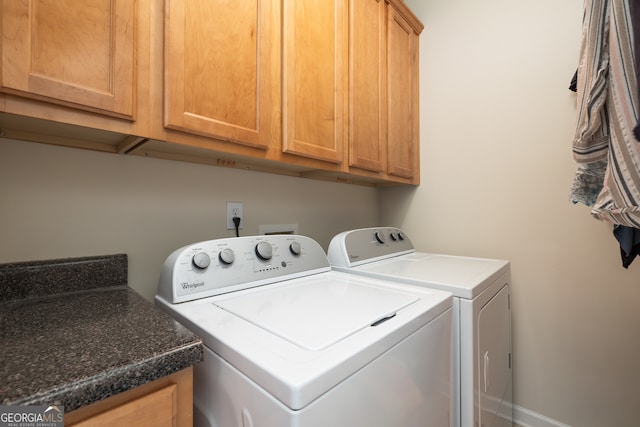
481,313
289,342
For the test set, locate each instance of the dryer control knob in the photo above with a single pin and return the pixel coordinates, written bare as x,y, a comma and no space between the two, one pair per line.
400,236
226,256
295,248
201,260
379,237
264,250
393,236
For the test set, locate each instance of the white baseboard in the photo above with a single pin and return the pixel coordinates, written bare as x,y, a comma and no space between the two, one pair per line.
523,417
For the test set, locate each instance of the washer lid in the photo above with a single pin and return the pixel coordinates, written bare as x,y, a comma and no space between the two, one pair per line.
319,314
271,348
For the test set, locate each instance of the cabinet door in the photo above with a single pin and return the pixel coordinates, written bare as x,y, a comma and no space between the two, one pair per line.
314,73
167,401
218,69
402,92
367,85
155,409
79,54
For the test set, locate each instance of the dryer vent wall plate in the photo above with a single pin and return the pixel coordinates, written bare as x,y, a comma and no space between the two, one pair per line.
271,229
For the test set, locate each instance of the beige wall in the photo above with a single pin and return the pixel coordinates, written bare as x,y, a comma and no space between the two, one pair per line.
497,123
60,202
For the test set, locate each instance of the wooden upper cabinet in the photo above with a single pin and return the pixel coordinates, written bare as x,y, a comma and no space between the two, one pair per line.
383,90
325,88
403,142
367,85
314,73
218,68
78,54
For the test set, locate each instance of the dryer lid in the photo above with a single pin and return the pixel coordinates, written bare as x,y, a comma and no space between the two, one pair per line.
465,277
318,313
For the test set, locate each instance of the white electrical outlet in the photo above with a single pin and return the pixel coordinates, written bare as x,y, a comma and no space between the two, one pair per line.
234,209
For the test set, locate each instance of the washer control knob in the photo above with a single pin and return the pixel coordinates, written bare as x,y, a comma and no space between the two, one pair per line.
226,256
393,236
264,250
379,237
295,248
400,236
201,260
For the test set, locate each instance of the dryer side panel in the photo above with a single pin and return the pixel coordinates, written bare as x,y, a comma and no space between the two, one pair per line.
494,374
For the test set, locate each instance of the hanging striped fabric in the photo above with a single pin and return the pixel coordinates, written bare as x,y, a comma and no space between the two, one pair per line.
608,106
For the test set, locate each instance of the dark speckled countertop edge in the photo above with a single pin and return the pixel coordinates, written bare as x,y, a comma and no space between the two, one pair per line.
114,339
81,393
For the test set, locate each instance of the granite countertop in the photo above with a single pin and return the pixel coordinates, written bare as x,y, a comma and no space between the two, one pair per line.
72,333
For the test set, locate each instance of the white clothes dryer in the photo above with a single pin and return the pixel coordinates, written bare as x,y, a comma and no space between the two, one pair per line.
291,343
481,313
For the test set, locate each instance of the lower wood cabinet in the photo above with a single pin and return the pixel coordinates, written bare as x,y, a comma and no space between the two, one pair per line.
167,401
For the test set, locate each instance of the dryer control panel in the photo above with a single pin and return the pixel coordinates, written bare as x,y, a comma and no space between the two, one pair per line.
355,247
225,265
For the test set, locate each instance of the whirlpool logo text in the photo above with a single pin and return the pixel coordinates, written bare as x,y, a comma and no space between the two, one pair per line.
191,286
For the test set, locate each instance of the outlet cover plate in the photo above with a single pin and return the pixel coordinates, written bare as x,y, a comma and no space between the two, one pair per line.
234,209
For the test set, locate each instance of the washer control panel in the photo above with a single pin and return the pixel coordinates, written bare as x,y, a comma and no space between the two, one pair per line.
225,265
363,245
